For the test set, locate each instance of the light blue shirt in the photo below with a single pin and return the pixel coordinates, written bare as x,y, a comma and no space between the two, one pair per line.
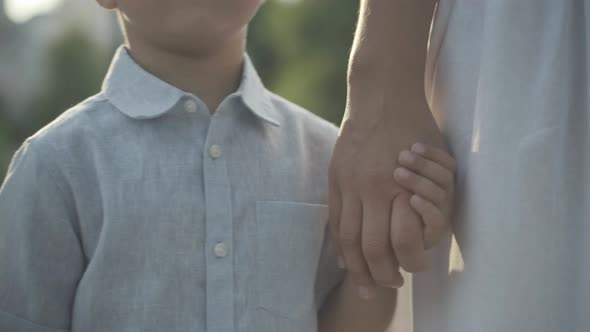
139,210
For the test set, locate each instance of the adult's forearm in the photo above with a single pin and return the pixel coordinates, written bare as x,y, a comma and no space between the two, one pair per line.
390,46
386,113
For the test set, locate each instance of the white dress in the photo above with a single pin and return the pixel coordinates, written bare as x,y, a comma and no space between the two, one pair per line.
508,81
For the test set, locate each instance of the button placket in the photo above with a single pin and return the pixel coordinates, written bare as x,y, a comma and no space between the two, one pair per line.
219,226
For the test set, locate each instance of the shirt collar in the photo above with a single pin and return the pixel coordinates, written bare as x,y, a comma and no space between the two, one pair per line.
141,95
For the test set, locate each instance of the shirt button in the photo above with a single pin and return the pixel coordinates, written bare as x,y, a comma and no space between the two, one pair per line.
215,151
220,250
190,106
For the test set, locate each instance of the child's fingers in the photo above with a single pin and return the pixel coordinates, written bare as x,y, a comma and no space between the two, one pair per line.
437,155
427,168
421,186
436,225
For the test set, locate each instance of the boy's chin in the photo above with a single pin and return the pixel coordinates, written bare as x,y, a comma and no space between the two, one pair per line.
192,36
198,45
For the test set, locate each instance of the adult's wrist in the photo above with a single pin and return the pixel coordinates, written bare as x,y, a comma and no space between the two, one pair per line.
391,86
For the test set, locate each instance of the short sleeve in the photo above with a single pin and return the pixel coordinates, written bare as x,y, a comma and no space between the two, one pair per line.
329,275
41,260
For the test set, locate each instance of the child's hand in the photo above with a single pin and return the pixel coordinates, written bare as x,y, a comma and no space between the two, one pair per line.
429,174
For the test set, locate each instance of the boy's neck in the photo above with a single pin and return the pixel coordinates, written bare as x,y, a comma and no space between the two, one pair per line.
211,75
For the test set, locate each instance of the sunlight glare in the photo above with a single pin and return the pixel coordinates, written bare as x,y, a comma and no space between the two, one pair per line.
21,11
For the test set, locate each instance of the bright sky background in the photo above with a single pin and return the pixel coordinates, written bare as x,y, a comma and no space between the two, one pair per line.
22,10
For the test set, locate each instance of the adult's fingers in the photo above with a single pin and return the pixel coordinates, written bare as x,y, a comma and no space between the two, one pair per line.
407,235
334,209
435,223
350,241
376,243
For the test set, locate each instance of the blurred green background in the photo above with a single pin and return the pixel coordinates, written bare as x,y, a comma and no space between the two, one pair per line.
53,61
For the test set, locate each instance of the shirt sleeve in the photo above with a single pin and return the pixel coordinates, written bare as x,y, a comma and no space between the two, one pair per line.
41,260
329,275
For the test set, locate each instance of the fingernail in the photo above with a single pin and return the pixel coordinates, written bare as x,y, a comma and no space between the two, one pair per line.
402,172
388,285
366,293
419,148
397,282
416,200
406,156
341,262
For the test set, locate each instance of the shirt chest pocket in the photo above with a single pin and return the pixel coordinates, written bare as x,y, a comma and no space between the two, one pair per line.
289,245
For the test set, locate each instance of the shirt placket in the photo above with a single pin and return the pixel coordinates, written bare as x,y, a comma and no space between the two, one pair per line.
219,229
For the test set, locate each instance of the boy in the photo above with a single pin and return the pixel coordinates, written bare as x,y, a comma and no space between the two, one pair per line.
147,208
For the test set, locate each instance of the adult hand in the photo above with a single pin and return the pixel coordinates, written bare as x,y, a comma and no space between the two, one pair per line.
374,227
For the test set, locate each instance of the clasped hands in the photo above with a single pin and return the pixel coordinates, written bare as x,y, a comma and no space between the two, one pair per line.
389,204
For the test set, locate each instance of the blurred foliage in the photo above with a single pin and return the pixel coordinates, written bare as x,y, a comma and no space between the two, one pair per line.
6,135
300,48
76,69
301,51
